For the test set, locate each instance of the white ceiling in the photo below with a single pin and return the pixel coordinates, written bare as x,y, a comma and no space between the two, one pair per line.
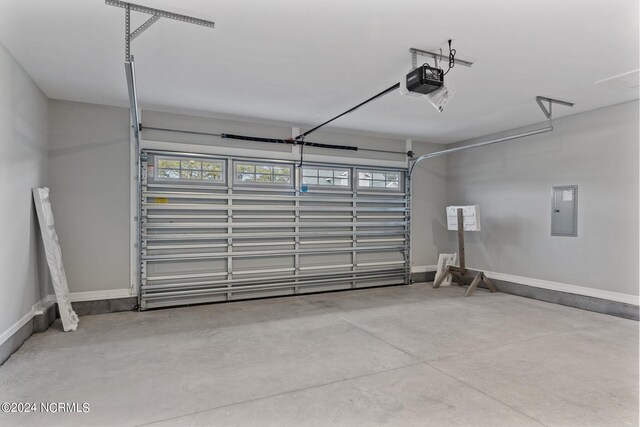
302,62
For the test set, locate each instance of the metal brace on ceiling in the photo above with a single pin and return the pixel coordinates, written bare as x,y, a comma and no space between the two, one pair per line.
155,15
435,55
551,101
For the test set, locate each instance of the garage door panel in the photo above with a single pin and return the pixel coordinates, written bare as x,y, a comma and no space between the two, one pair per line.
217,229
186,266
265,261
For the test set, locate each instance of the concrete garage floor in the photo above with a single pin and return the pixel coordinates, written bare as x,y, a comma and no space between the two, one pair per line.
407,355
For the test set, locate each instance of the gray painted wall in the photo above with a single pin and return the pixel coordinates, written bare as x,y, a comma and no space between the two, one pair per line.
89,175
90,191
598,151
23,165
428,218
89,170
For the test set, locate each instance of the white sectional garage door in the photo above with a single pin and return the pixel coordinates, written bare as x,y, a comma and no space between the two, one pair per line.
223,228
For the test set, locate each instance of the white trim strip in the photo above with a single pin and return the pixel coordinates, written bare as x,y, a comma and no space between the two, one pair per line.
564,287
38,308
423,268
43,305
100,295
16,327
547,284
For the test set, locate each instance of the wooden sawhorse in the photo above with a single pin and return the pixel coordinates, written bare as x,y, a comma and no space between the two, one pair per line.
460,272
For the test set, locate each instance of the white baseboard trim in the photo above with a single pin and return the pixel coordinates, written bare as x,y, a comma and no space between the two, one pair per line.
423,268
547,284
16,327
100,295
38,308
563,287
43,305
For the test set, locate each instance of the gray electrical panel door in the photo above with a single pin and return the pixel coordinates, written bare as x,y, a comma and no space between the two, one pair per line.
217,228
564,211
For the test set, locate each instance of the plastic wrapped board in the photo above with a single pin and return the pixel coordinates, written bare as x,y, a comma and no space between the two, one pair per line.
470,217
54,258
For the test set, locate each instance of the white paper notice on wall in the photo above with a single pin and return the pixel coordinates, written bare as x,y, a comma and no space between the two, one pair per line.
54,258
470,217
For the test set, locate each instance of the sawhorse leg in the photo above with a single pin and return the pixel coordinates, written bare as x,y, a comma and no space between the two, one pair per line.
444,275
480,276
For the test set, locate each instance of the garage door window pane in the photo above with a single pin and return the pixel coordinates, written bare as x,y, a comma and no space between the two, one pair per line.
245,177
169,173
282,179
191,174
379,180
169,164
208,166
191,164
326,177
211,171
263,174
264,169
310,180
211,176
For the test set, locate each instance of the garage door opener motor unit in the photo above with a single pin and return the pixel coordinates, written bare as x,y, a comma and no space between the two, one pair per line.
425,79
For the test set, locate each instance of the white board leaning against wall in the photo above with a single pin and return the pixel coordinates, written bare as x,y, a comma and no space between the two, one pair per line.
54,258
445,260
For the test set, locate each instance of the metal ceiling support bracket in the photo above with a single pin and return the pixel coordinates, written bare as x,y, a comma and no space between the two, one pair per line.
551,101
149,22
127,34
155,15
435,55
161,13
